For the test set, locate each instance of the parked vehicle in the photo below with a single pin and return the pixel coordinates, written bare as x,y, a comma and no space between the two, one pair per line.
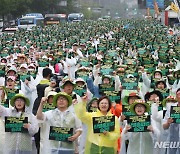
75,17
54,18
30,20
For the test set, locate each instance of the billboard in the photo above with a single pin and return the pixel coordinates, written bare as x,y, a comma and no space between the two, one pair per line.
150,4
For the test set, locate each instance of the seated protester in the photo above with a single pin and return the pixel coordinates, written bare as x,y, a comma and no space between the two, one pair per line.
47,74
81,82
11,71
49,101
11,85
92,106
158,117
52,86
11,82
18,142
153,95
3,97
27,85
149,83
140,142
46,107
23,68
71,62
173,128
3,61
105,79
176,84
161,86
127,100
68,86
105,142
22,59
59,117
154,99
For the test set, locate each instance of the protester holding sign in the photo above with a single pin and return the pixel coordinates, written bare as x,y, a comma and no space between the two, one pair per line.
170,124
18,133
81,88
3,97
150,83
103,127
62,126
92,106
47,74
140,139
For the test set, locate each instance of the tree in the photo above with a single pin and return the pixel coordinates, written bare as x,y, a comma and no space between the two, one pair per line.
14,8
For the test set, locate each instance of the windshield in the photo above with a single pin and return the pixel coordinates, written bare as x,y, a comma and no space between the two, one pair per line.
74,17
26,21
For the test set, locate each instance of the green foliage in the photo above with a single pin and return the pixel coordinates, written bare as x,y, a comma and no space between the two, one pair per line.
16,8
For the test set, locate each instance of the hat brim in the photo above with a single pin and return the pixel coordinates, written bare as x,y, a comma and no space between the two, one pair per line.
125,100
69,98
108,77
12,102
132,107
164,102
74,85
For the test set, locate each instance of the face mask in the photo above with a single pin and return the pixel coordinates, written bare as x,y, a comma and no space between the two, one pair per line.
157,76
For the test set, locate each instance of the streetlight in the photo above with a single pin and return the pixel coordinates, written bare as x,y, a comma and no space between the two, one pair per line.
89,12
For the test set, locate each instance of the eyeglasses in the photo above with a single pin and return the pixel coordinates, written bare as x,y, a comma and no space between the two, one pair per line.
61,98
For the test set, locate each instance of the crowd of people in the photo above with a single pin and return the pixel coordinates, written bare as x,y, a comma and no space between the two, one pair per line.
75,88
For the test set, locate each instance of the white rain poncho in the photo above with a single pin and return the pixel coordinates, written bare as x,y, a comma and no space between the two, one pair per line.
57,118
173,132
19,143
141,142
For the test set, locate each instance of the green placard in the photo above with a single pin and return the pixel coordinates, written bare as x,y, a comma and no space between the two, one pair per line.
130,83
175,114
106,87
164,92
60,133
106,71
24,77
93,109
84,74
126,110
5,103
139,123
15,124
2,70
80,90
114,96
43,63
33,73
47,107
103,123
11,93
85,63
